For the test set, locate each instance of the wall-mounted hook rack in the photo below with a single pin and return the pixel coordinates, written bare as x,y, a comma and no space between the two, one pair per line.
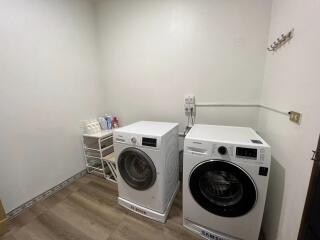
281,41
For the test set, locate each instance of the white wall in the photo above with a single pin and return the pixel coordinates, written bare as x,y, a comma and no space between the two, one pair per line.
152,53
155,52
49,82
291,83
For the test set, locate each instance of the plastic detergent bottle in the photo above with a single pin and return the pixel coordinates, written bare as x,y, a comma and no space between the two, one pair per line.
109,122
115,122
103,123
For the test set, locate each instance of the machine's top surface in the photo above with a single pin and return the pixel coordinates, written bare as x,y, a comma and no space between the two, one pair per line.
227,134
148,128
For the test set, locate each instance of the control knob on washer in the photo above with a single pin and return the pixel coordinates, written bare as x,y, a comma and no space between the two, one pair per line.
222,150
133,140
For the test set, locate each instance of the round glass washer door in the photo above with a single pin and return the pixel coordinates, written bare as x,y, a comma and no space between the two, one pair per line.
137,169
222,188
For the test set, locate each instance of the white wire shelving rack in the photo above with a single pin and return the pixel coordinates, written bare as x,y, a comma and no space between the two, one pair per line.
99,154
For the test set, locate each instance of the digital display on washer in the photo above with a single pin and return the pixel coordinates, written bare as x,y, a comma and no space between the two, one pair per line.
150,142
249,153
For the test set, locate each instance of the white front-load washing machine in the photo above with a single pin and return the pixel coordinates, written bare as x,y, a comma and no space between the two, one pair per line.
225,180
147,164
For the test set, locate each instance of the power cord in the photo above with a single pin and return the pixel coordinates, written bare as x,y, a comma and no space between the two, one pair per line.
192,118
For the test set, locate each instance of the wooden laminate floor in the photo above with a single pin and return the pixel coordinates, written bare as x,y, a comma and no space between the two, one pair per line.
88,209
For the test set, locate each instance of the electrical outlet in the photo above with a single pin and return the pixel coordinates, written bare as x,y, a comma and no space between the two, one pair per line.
189,99
295,117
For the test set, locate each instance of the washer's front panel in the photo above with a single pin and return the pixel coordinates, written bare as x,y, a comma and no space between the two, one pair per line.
253,154
151,196
246,226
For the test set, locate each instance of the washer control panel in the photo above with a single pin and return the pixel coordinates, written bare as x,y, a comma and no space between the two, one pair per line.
138,140
229,152
149,142
238,153
249,153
